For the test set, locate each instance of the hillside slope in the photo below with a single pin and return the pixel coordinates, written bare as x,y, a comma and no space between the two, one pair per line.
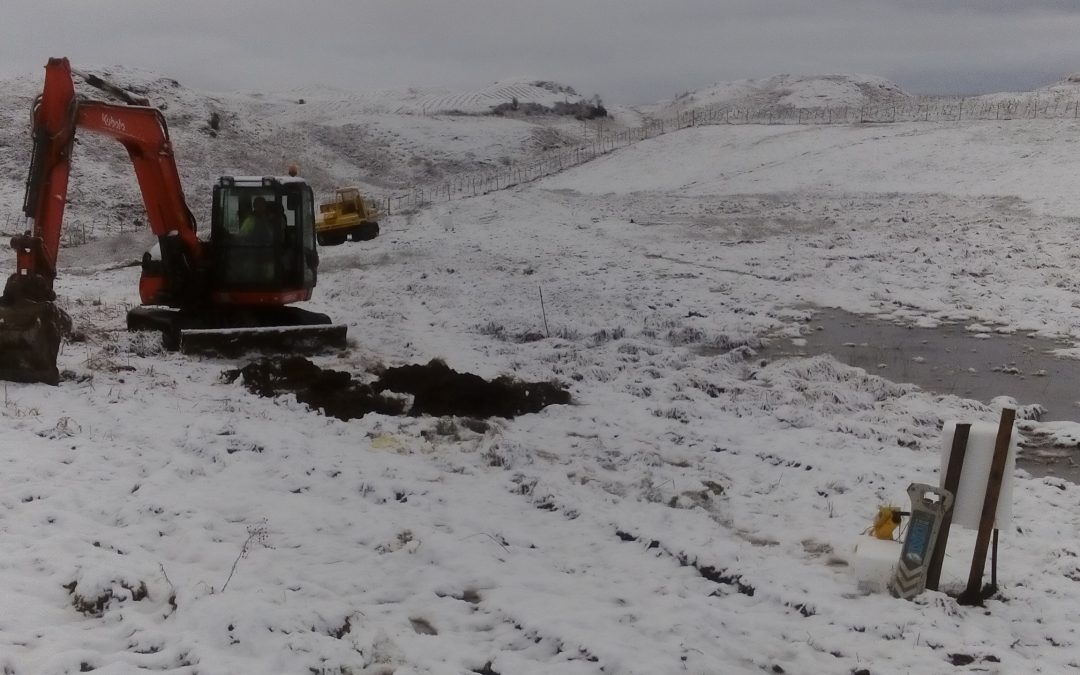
371,139
788,91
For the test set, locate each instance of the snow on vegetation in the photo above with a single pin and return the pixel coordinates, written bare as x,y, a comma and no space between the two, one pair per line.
692,509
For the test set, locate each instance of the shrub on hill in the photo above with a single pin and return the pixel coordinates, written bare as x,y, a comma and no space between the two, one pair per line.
582,110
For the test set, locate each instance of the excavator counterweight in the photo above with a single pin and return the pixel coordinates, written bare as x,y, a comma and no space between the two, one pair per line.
226,293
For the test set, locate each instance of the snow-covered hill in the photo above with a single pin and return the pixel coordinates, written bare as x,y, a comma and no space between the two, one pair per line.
433,100
789,91
1067,88
379,140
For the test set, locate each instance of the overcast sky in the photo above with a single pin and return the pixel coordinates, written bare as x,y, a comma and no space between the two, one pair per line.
628,51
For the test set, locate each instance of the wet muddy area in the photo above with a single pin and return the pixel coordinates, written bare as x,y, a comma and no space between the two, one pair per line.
950,359
429,389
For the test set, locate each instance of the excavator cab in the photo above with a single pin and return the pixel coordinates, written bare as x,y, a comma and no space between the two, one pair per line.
263,237
260,258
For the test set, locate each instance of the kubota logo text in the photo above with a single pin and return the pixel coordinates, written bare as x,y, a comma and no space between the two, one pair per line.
113,123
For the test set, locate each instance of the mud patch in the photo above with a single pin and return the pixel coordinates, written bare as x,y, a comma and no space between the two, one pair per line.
439,390
435,389
334,392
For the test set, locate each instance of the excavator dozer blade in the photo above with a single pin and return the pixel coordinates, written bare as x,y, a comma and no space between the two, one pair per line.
30,336
232,333
233,342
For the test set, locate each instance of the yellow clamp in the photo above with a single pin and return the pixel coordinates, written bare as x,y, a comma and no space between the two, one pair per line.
886,521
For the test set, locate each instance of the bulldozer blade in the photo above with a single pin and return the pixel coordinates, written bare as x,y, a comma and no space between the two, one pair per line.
233,342
30,336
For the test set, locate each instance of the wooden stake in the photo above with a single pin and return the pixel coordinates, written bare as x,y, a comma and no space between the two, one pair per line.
972,595
952,481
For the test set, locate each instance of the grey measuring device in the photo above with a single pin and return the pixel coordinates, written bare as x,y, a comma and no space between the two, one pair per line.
928,505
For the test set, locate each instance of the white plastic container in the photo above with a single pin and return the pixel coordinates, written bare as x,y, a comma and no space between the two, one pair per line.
874,563
971,492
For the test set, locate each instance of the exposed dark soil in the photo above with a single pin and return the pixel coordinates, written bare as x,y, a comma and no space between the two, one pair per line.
436,390
334,392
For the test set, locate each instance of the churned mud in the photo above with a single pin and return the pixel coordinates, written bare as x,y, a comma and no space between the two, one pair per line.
430,389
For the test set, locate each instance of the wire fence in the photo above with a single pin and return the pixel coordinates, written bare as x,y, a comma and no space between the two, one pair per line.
545,164
913,109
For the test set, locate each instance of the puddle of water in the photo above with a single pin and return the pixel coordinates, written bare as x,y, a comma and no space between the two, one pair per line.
950,359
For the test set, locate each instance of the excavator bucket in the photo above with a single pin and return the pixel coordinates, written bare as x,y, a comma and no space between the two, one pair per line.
273,330
30,336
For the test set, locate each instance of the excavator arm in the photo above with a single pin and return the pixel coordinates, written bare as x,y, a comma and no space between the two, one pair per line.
143,132
31,325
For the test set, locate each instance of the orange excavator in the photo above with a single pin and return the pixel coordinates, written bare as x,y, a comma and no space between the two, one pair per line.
227,293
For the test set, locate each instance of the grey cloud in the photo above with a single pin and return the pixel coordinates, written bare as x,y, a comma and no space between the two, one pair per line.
625,50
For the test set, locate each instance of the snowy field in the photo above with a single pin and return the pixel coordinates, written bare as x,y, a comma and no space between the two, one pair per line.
694,509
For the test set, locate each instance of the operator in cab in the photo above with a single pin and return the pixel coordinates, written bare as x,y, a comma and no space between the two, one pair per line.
257,228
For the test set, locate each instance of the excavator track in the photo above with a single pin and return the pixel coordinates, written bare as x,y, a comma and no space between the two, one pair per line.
232,333
30,337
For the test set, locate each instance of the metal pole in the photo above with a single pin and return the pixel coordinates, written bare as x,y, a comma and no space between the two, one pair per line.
993,561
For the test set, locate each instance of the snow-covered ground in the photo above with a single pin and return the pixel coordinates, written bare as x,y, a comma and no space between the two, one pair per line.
694,510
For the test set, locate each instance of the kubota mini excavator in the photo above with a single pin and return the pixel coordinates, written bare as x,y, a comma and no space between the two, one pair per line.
226,294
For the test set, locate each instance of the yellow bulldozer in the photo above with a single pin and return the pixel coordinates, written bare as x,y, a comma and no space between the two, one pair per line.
346,215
